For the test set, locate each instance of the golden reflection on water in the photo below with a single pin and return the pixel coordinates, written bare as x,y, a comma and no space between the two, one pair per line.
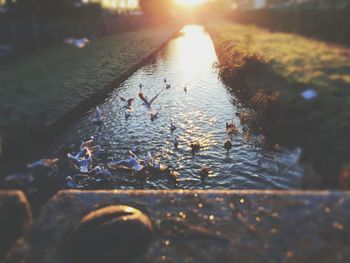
194,50
194,54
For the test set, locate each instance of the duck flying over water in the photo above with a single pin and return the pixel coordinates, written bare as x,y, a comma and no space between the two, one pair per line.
128,102
148,104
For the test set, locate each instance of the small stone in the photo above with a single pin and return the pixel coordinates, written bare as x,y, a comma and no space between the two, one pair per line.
111,234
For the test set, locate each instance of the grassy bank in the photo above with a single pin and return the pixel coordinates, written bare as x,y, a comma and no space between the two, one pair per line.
268,71
37,90
321,23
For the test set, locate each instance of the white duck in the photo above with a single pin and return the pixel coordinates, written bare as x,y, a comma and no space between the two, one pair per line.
98,115
148,104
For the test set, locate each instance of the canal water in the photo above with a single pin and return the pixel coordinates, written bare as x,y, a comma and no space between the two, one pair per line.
200,115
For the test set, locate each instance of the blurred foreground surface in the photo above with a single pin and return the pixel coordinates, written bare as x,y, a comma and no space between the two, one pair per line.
210,226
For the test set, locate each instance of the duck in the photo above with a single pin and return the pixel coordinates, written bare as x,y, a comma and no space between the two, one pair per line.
246,134
277,147
127,114
228,145
134,149
98,115
45,163
176,143
140,85
195,146
154,115
78,42
128,103
172,127
185,89
70,182
148,104
167,86
204,173
231,128
173,176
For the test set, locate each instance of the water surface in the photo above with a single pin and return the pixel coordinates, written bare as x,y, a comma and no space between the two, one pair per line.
200,115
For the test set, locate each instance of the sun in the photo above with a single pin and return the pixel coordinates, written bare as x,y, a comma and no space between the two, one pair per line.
189,3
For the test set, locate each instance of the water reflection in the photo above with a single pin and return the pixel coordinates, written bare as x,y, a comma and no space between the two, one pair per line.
195,54
200,115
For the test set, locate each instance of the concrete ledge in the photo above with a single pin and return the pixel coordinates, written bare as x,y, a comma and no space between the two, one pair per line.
208,226
15,218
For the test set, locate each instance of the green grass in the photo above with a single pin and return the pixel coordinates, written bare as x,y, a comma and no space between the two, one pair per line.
286,64
41,87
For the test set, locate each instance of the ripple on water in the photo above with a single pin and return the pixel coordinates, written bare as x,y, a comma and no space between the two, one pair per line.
200,115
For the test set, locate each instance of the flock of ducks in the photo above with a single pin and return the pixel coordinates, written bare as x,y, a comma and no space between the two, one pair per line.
82,160
231,128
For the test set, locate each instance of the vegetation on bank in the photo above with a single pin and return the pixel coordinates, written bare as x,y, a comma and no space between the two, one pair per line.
269,71
30,25
320,19
41,87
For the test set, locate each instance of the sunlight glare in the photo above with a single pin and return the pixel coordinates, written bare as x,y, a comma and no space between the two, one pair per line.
194,50
189,3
